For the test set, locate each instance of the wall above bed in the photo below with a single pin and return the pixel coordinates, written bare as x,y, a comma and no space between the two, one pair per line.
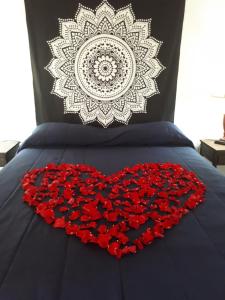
109,62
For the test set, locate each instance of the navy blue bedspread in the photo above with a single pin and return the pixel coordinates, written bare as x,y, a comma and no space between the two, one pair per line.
38,262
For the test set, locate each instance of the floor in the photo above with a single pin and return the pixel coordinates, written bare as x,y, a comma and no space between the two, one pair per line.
221,169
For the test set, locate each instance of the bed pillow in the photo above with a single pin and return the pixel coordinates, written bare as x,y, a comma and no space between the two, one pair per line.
145,134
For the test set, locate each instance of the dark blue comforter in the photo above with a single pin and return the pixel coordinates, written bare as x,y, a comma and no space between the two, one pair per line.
38,262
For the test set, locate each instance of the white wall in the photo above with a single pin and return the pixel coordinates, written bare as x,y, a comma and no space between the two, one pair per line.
202,70
201,66
17,118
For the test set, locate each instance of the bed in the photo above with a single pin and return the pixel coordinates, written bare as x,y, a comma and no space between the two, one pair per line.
38,262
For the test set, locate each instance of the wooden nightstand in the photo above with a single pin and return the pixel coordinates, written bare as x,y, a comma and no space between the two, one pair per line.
7,151
213,152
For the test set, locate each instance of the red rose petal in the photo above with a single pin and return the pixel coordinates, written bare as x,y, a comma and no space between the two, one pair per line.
74,215
59,223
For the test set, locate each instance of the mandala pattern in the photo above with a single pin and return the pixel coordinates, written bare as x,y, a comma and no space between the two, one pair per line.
104,64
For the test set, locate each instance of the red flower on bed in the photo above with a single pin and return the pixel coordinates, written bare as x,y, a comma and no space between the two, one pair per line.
122,212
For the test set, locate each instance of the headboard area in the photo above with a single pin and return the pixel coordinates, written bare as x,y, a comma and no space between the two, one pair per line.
104,62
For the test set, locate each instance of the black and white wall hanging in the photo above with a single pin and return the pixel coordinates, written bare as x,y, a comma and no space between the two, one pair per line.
105,64
104,60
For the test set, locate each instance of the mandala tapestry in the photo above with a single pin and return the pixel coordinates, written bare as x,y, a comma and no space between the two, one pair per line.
105,64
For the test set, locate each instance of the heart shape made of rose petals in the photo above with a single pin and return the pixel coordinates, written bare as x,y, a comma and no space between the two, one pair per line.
122,212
